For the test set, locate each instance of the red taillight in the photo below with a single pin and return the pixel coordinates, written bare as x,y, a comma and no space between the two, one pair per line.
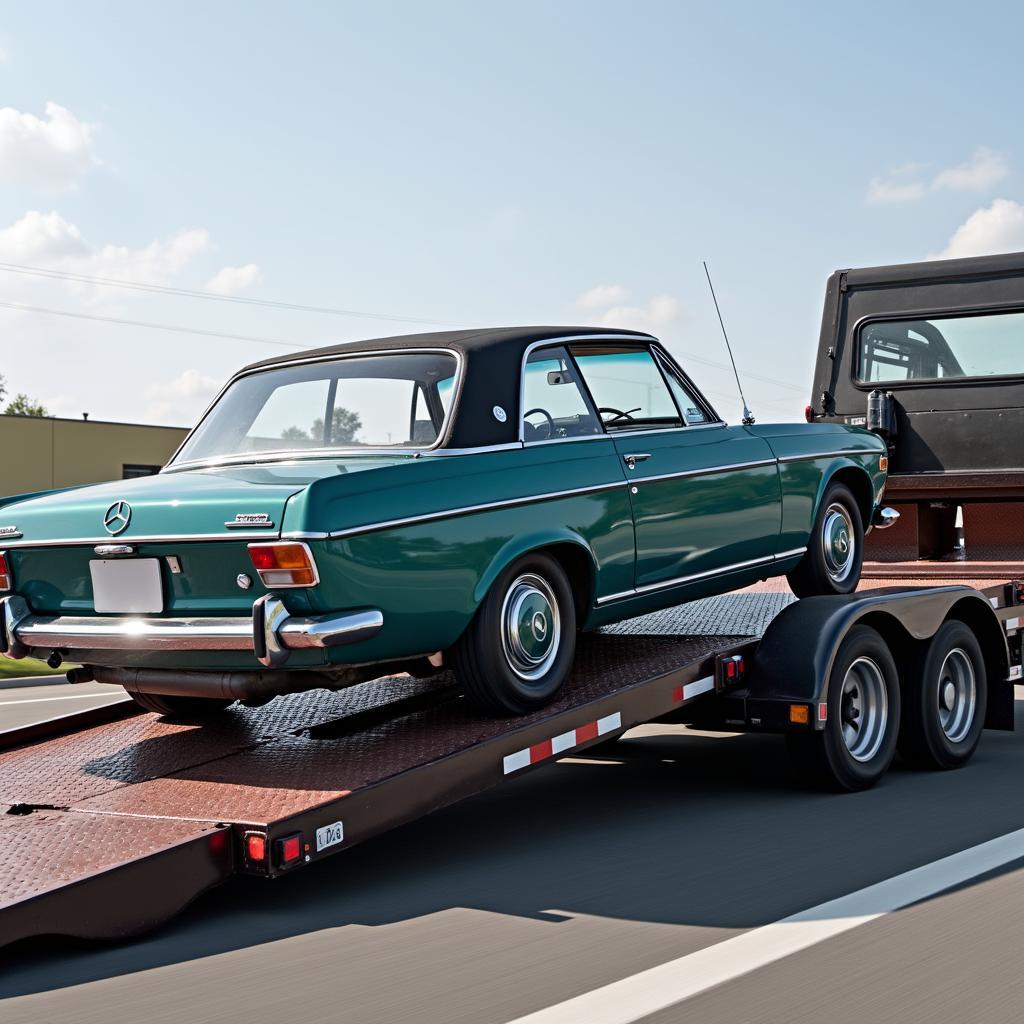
255,847
5,572
284,565
808,413
289,849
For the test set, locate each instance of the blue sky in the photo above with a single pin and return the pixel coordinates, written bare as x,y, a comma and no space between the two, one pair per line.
482,163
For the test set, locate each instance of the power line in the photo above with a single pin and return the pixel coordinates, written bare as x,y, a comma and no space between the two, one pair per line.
151,326
113,282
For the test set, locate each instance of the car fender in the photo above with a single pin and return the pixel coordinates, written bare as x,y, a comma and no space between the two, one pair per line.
522,544
794,660
842,464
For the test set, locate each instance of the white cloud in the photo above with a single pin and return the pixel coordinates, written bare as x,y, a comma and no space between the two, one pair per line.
602,296
606,306
981,172
996,228
182,399
48,240
231,280
51,153
906,184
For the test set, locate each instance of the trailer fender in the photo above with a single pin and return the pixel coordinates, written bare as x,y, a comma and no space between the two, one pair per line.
794,660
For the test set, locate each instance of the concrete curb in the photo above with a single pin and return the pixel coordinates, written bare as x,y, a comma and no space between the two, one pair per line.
19,682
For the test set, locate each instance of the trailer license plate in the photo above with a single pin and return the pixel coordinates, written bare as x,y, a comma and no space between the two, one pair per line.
126,585
330,835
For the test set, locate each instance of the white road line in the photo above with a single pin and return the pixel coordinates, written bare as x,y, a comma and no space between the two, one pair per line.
640,995
46,700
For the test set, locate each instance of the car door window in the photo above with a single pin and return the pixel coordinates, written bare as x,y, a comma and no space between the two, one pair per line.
554,405
627,387
692,410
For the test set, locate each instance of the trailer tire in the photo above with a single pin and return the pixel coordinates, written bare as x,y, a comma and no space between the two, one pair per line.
181,709
858,741
944,700
835,552
519,649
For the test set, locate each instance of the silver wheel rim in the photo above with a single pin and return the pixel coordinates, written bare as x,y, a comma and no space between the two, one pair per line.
531,626
958,695
863,709
838,542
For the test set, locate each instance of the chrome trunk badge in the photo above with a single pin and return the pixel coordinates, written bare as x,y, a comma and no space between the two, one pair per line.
117,518
9,531
250,520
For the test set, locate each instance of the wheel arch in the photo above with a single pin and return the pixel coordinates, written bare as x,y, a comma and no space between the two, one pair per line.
857,480
786,667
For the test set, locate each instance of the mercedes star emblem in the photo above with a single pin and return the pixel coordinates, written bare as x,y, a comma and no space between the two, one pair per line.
117,518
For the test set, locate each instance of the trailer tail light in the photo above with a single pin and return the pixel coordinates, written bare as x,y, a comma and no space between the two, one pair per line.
5,572
809,413
255,847
288,849
287,564
730,671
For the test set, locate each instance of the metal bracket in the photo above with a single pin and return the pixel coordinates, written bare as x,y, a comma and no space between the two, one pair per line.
268,616
12,610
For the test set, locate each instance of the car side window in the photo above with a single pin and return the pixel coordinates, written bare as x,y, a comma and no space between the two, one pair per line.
627,387
554,405
693,412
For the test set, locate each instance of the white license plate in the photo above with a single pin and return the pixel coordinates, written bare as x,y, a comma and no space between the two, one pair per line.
123,586
330,835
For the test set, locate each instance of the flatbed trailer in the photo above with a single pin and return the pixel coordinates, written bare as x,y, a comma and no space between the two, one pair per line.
113,819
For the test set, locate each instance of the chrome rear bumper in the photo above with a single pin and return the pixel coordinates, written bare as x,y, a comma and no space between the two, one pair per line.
270,632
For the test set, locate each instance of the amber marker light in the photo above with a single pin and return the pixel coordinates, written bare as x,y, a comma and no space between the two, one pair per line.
883,463
287,564
799,714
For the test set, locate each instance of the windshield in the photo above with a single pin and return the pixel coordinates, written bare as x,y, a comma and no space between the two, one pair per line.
396,400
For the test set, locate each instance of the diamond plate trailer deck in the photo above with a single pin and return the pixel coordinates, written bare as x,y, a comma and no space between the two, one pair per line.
112,820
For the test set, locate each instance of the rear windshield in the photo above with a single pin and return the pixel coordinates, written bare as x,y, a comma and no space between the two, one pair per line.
397,400
941,348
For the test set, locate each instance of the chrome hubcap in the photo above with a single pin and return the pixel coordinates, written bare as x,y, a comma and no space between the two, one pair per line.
531,626
863,709
838,543
958,695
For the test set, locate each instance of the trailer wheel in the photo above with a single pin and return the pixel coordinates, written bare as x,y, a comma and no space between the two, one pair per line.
519,649
835,551
945,700
181,709
857,744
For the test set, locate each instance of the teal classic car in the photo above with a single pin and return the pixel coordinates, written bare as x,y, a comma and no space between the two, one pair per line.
466,500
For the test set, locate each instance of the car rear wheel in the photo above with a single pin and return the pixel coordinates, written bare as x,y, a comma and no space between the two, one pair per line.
858,741
181,709
945,700
835,553
518,651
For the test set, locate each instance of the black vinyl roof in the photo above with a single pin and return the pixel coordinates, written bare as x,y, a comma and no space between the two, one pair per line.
492,358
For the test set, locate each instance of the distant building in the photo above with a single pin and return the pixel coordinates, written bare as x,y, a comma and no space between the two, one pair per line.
38,453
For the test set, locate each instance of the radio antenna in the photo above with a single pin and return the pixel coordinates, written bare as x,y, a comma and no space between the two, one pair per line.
748,416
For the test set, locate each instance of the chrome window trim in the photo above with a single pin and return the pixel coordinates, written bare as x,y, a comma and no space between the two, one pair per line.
443,434
565,340
677,581
670,366
668,430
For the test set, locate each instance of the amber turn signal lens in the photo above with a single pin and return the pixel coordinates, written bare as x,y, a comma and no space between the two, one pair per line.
799,714
284,565
883,463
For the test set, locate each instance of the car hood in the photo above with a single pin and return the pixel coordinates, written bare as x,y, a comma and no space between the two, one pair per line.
194,503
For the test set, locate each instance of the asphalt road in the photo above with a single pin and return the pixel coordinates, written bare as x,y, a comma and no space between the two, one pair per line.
39,699
578,875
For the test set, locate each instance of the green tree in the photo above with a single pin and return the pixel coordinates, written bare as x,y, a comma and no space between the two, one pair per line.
22,405
3,386
345,425
294,434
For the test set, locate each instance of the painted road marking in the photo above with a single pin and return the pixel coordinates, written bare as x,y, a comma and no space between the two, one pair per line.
640,995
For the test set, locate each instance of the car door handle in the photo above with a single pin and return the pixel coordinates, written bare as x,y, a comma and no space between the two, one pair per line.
632,459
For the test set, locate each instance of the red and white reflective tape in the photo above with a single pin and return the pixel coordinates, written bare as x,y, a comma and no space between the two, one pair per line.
694,689
561,743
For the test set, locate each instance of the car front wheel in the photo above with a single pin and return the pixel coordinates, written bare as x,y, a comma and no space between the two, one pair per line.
518,651
835,553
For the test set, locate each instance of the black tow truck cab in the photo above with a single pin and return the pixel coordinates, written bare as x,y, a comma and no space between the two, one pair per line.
931,356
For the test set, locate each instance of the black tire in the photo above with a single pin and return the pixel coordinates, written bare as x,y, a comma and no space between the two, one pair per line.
942,718
821,570
181,709
490,665
829,759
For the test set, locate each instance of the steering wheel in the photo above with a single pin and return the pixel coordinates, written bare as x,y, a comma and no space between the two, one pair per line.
551,423
618,414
